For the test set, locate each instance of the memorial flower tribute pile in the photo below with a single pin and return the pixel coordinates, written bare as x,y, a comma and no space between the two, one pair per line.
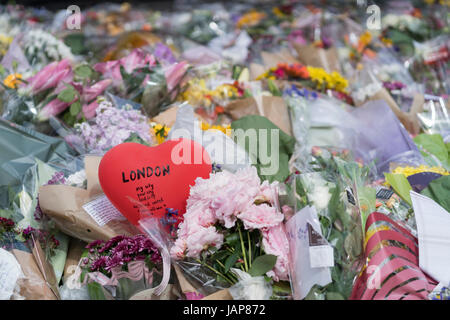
276,150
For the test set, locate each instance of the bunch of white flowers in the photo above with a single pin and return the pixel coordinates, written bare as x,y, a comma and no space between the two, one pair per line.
42,48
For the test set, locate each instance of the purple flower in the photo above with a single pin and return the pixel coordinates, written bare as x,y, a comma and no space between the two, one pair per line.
394,85
27,232
101,262
7,224
57,178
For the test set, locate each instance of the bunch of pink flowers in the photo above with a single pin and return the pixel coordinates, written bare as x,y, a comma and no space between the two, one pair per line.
226,199
56,76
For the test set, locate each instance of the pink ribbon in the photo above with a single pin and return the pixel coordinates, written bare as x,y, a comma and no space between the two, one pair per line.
136,271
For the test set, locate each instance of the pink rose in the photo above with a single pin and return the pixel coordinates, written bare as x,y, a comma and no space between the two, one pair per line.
260,217
275,242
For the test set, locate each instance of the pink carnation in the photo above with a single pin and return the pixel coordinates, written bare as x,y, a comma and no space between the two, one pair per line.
275,242
260,216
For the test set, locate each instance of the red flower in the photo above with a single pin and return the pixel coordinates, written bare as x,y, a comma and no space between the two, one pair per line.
280,73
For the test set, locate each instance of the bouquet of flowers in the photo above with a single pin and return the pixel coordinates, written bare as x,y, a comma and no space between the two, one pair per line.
315,78
336,186
238,237
111,127
140,78
120,267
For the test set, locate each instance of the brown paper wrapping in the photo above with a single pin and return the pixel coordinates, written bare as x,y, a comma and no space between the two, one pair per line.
311,55
219,295
409,120
76,248
169,116
167,294
273,108
64,204
185,285
271,59
45,267
256,70
91,164
33,286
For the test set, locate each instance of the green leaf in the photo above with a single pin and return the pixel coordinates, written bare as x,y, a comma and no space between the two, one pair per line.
269,155
262,264
75,108
334,296
68,94
84,71
367,199
232,238
439,191
432,147
95,291
137,139
400,185
2,70
231,260
273,88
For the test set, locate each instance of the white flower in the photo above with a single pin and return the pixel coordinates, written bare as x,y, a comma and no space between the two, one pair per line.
77,178
320,197
250,288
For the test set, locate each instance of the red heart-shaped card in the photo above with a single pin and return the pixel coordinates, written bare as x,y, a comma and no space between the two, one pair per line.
143,181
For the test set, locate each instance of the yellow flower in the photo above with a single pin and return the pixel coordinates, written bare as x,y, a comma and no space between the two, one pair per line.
408,171
387,41
276,11
225,129
12,80
5,41
160,132
205,125
322,78
365,38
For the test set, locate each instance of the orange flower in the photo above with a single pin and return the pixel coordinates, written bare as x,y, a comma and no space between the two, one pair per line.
12,80
363,41
250,19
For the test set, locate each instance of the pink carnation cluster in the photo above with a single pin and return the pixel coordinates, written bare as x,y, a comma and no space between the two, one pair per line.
224,198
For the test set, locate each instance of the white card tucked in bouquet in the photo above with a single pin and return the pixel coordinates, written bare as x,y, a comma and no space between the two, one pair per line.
309,263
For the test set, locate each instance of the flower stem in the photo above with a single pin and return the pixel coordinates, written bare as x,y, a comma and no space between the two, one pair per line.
214,270
230,275
243,248
249,249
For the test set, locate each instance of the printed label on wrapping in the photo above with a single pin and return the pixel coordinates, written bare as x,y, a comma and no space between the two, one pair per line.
102,211
320,252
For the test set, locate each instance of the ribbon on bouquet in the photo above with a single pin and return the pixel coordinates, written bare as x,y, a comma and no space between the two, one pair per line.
136,271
